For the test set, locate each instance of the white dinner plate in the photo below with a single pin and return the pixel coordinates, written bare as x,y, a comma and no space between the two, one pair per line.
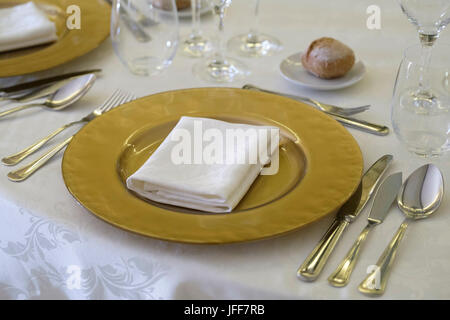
292,70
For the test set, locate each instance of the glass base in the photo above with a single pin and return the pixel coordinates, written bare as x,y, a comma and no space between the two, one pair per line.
425,152
147,66
249,45
216,70
196,46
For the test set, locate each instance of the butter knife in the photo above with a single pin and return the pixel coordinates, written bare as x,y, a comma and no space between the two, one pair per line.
314,263
384,198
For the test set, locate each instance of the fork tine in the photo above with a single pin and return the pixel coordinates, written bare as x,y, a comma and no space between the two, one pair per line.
351,111
109,101
117,101
120,97
123,99
130,97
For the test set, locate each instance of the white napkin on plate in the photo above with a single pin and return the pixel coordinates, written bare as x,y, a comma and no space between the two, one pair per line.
202,184
24,26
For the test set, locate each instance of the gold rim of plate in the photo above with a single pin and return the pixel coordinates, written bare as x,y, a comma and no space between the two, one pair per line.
71,44
320,166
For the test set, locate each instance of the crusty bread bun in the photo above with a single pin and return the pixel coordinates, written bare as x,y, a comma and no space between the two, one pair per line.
181,4
328,58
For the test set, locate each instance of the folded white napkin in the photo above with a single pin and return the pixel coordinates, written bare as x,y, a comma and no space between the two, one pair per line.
202,182
24,26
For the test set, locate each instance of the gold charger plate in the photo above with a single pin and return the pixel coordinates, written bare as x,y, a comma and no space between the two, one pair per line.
320,166
71,44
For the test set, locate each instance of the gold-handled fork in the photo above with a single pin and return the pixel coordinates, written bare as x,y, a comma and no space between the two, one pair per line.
111,102
119,97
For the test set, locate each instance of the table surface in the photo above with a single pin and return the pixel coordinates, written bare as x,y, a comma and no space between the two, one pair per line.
48,241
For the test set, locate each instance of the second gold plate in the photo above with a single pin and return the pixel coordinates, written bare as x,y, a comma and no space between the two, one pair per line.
94,28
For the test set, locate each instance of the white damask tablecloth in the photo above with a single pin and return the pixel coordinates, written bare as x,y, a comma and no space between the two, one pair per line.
46,238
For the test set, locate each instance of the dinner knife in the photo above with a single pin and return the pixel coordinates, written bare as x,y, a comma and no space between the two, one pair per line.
314,263
42,82
385,196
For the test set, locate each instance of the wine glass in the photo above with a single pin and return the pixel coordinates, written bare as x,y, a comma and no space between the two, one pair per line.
424,128
430,17
218,67
254,43
195,44
144,34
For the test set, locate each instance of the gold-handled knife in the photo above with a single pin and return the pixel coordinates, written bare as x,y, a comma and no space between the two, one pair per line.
386,194
314,263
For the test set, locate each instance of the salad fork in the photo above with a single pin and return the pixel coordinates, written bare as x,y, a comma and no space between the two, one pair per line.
118,97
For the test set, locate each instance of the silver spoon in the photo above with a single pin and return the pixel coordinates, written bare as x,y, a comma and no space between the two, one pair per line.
420,196
68,94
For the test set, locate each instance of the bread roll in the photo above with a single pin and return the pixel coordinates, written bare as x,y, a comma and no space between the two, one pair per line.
328,58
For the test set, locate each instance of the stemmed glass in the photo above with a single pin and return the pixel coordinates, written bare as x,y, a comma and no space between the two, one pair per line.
144,34
219,68
430,17
425,130
255,43
196,45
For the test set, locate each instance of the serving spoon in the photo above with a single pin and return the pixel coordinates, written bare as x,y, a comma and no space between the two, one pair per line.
419,197
68,94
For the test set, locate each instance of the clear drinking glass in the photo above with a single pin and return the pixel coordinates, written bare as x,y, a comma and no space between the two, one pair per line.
196,44
423,127
144,34
430,17
255,43
218,67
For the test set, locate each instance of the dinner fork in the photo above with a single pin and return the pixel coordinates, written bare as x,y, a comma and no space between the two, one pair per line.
111,102
322,106
118,98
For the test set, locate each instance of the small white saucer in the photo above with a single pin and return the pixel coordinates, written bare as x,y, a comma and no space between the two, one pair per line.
292,70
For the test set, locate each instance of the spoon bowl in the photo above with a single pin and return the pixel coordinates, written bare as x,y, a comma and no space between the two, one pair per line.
422,193
71,92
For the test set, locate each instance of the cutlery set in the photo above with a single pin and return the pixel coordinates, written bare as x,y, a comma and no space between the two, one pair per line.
418,197
61,92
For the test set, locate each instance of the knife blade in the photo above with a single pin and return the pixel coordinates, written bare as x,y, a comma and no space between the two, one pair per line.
314,263
384,198
41,82
44,91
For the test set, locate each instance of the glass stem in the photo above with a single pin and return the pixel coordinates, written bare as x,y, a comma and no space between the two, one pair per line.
254,29
220,51
427,42
195,7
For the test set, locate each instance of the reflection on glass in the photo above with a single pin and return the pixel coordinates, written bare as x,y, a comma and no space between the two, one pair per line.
423,127
144,34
